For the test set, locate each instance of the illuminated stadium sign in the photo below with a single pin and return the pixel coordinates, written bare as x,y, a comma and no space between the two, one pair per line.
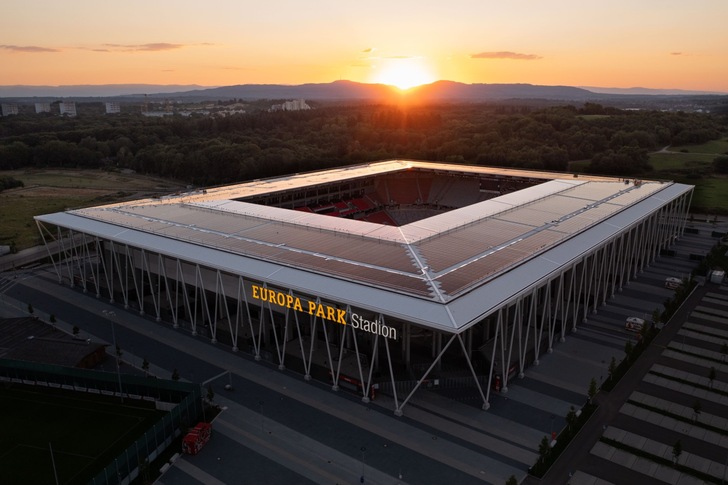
286,300
373,326
320,310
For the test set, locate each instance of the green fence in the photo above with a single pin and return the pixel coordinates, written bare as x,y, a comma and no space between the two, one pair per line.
182,400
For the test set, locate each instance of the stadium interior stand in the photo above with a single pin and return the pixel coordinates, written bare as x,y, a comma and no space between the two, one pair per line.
396,198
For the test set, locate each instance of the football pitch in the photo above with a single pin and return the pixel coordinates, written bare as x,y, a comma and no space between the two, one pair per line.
51,435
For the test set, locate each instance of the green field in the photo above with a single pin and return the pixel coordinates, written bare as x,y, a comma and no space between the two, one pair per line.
710,195
677,161
85,431
692,165
714,147
91,179
48,191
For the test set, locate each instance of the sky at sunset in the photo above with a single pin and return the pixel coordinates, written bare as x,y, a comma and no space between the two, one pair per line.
668,44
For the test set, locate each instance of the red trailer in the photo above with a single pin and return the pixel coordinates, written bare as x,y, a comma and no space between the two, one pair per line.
193,441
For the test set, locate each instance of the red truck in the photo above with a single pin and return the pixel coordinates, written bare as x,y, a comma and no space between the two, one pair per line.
193,441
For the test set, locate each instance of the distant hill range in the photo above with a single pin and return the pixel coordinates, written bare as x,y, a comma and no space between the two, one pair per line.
92,90
651,92
437,91
440,91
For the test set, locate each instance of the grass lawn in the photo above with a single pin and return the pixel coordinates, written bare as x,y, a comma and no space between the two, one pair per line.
710,195
17,210
579,166
714,147
693,168
84,431
692,165
90,179
48,191
677,161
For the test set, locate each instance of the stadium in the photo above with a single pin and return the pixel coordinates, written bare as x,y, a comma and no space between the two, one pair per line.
386,277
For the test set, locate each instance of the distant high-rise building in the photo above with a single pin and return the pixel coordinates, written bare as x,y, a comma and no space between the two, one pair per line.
112,108
42,107
7,109
67,108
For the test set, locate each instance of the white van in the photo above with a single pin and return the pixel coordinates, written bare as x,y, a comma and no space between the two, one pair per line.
672,283
634,324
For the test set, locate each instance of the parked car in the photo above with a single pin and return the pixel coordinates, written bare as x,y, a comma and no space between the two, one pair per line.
672,283
634,324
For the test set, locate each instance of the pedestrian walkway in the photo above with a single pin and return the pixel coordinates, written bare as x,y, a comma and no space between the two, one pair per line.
195,473
486,430
582,478
298,452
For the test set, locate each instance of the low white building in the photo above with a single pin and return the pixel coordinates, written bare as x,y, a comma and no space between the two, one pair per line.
7,109
112,108
67,108
42,108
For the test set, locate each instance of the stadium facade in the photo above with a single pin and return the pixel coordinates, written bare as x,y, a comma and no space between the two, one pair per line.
388,276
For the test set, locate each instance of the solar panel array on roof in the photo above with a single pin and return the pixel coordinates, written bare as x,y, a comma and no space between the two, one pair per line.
468,275
455,247
457,250
256,237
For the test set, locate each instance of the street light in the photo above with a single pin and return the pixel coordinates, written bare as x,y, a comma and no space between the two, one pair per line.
229,385
118,367
261,415
363,451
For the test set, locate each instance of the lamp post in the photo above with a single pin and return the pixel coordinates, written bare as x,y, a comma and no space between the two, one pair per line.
118,367
363,451
261,415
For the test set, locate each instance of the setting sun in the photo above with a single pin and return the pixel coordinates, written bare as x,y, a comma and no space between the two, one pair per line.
403,73
402,44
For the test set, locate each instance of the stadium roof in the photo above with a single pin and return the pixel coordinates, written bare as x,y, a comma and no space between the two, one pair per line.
440,271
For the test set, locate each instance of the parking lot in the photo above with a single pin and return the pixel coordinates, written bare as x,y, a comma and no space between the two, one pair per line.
676,391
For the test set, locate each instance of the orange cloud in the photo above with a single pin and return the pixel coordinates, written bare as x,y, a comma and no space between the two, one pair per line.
152,47
28,48
506,55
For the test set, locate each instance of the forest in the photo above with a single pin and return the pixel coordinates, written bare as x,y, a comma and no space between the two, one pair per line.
208,150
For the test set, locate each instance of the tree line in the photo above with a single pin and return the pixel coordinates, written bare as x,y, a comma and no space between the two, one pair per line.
209,150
